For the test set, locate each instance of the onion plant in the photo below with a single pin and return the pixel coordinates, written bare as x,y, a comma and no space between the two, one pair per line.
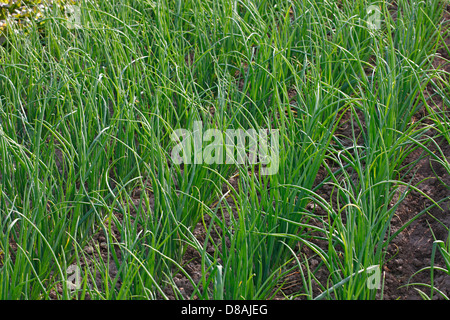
88,112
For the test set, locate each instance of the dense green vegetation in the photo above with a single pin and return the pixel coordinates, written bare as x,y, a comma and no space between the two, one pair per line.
86,117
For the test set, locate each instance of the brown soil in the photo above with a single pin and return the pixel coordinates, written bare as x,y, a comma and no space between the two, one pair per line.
408,253
411,250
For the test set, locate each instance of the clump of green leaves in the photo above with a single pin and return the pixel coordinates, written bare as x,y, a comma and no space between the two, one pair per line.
85,142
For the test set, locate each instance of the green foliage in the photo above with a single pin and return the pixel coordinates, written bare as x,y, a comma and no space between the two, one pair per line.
86,116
